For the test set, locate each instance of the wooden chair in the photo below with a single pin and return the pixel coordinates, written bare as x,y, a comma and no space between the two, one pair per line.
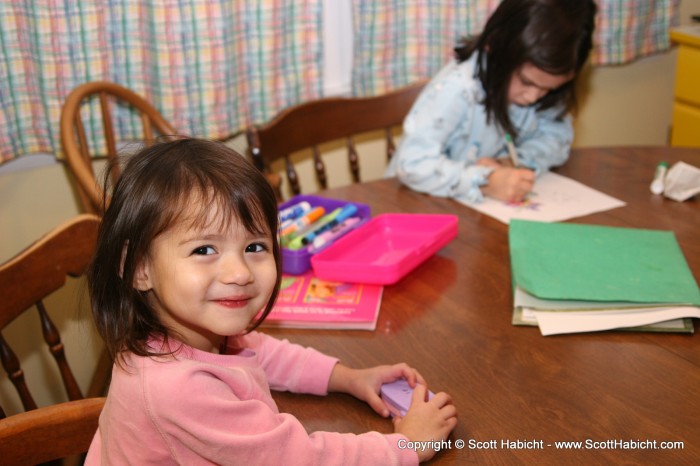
74,140
49,433
312,123
27,279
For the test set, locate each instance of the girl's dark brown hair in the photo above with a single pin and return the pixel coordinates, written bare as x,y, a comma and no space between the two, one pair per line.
556,36
150,197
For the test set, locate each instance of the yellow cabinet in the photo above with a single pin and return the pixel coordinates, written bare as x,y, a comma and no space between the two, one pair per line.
685,129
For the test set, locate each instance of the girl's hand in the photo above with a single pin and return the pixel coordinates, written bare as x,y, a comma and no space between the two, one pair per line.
488,162
364,384
427,420
494,163
509,184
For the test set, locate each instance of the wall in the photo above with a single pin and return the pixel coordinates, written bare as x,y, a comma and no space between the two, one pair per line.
629,104
621,105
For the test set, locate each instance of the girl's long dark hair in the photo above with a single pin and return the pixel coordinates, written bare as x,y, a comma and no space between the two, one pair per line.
151,195
556,36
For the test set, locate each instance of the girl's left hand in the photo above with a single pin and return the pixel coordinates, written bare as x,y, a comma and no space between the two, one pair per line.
364,384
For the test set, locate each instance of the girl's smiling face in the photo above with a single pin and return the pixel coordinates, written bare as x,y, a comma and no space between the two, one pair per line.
208,281
529,84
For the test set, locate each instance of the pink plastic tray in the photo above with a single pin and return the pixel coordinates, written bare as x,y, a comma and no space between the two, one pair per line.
385,249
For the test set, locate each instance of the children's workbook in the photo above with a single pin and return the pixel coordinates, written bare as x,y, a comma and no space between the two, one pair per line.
305,301
579,278
554,198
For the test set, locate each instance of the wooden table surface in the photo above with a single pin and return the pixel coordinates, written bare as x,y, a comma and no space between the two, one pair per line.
451,319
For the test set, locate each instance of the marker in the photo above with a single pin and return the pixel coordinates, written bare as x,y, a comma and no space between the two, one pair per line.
659,184
294,211
307,218
346,212
326,239
296,239
511,151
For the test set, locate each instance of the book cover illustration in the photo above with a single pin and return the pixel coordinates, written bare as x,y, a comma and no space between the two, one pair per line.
305,301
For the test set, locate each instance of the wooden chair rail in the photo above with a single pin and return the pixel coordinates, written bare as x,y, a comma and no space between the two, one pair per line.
313,123
49,433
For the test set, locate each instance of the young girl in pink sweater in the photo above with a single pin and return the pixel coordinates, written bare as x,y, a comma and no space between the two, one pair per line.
187,257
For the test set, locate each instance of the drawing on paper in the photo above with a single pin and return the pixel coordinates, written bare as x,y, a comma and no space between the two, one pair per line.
526,204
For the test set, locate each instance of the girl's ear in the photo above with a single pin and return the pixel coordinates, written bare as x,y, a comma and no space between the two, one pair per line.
141,277
142,280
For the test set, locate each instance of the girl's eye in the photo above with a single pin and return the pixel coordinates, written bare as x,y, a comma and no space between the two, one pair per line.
256,247
204,250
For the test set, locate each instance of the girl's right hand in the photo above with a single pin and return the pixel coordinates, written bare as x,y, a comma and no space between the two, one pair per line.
509,184
426,421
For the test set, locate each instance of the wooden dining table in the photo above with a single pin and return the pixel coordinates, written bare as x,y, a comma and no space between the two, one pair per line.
617,397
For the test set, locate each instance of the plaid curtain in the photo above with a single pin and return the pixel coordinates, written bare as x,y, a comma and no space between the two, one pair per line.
397,42
211,67
629,29
400,41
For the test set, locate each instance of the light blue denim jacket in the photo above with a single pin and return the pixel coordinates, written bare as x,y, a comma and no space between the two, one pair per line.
446,132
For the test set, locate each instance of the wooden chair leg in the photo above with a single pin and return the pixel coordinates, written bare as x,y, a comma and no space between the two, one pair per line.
275,181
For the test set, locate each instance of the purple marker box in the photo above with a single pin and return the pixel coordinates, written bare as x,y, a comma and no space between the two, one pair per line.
379,250
298,261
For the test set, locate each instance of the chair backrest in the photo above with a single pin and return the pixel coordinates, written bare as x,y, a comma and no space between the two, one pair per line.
313,123
75,142
49,433
28,278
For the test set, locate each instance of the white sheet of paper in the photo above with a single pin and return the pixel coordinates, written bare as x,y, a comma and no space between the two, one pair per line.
528,316
554,198
553,323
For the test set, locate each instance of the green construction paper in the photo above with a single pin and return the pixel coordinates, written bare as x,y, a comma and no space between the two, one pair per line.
566,261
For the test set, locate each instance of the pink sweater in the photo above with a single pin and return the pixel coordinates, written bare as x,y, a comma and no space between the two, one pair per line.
205,408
